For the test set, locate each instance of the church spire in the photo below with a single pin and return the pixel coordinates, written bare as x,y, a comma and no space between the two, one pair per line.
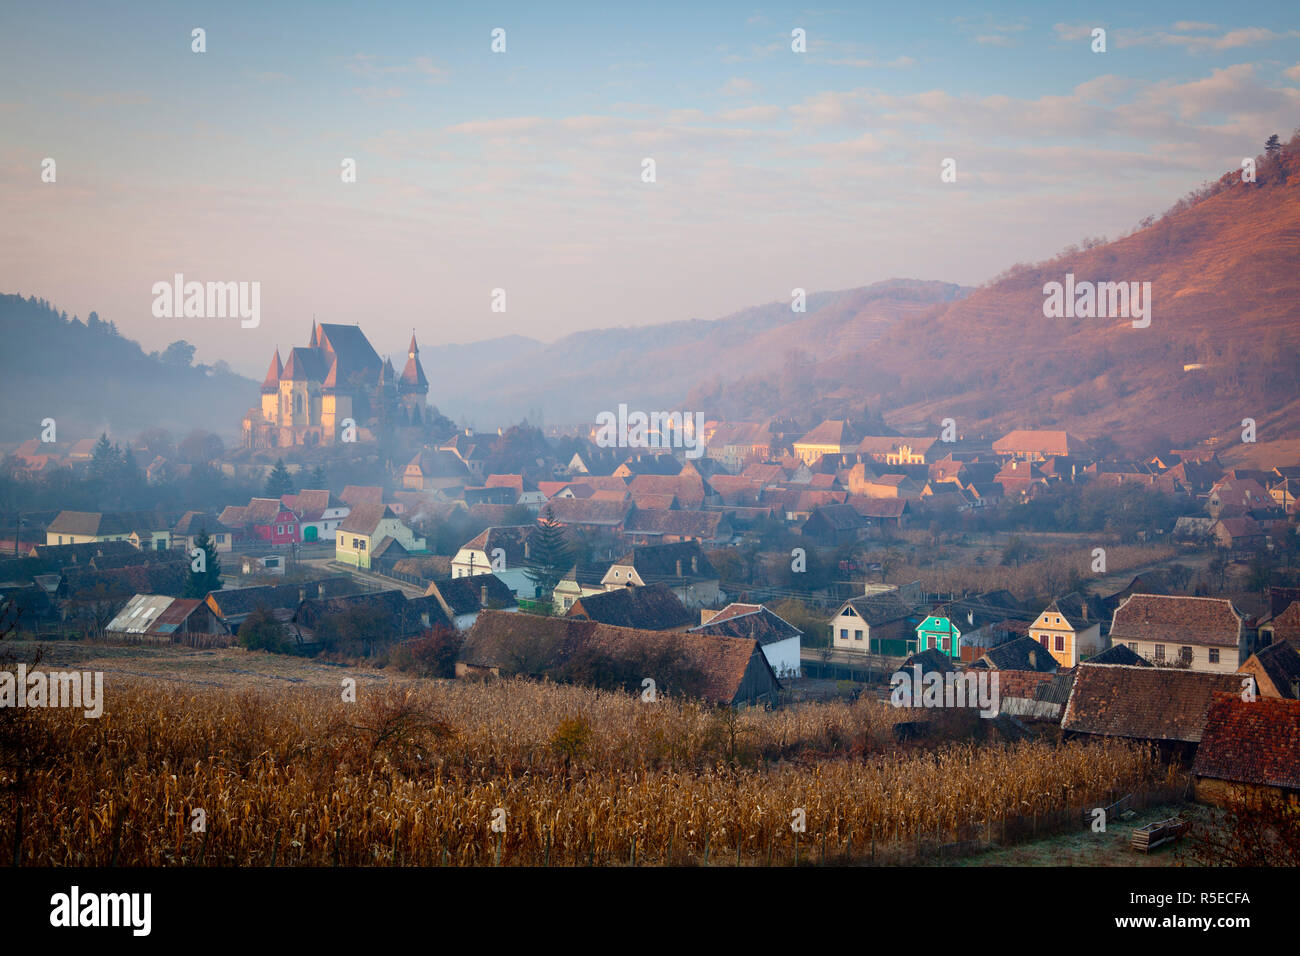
272,381
413,380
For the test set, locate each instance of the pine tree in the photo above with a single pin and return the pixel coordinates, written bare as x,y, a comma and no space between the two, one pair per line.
279,482
1272,145
104,459
548,553
199,583
317,478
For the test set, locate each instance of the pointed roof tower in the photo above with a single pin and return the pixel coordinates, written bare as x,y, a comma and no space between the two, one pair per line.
272,381
413,380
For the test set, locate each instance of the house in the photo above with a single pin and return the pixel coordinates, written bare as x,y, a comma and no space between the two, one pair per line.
831,437
1194,530
1069,629
143,529
732,671
1158,704
272,521
1033,695
399,618
261,564
651,608
184,534
875,624
1234,496
463,598
688,488
683,567
889,512
502,550
888,486
1200,633
1241,533
835,524
590,515
898,450
157,619
579,582
319,513
939,633
363,532
1282,626
779,638
646,526
1276,669
736,444
1036,445
1248,749
1017,654
232,606
650,464
431,470
471,450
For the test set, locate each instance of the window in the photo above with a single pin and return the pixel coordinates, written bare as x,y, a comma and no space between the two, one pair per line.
857,635
1214,655
844,634
944,643
1043,640
355,543
1133,645
1058,620
60,539
342,541
363,544
1185,654
221,539
1060,642
279,529
1160,652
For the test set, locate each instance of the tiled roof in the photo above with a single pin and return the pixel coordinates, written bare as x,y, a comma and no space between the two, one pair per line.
652,608
749,621
1251,742
1019,654
1281,663
464,595
1120,654
1148,703
877,609
1185,620
355,495
659,561
363,519
830,432
508,538
704,525
585,511
497,639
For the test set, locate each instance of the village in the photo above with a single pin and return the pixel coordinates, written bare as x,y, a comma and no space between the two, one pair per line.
1147,599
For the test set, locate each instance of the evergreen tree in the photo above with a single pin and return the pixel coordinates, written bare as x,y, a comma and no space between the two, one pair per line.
1272,145
549,554
104,459
317,478
199,583
279,482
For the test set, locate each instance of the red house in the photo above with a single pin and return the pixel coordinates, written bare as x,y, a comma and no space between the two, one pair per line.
272,521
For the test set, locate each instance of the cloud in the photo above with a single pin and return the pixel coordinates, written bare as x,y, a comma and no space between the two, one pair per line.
368,65
1231,40
739,86
1292,73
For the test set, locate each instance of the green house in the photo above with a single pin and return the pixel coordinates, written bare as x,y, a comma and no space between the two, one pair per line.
938,633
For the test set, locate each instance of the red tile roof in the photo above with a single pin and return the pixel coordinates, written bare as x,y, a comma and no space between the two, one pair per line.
1256,742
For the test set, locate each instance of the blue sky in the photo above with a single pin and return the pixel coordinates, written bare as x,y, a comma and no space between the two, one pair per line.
522,170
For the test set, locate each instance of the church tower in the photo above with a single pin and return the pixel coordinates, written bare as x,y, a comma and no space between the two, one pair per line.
413,388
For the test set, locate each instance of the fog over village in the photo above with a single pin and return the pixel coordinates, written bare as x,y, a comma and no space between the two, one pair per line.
591,438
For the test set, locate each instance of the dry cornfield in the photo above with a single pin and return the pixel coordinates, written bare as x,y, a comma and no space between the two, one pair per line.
415,776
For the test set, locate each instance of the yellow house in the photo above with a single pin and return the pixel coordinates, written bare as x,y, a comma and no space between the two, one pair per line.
1069,632
831,437
366,529
86,527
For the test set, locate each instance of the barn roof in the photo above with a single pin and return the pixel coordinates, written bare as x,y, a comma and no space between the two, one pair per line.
1148,703
1253,742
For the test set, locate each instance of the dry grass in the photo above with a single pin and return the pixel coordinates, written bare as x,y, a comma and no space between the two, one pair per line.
413,776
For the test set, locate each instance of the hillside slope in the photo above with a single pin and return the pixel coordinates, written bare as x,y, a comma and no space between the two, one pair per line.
89,379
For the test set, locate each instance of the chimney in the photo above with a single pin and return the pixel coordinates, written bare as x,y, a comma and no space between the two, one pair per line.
1033,659
482,596
695,565
302,594
679,567
320,590
525,549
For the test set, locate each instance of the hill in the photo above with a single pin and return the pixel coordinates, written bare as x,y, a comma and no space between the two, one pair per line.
654,366
90,379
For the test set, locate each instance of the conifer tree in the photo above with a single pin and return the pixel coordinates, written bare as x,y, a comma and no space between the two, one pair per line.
200,582
279,482
548,553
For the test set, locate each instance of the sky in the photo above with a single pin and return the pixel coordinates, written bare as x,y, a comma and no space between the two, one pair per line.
522,170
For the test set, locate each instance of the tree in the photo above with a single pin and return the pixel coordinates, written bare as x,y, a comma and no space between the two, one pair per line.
317,478
279,482
262,632
104,459
549,555
199,583
180,354
1272,145
1016,551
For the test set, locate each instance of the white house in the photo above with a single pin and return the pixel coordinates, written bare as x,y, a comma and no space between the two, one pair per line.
779,638
503,551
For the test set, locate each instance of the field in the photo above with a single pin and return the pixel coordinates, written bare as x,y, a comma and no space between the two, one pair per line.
418,772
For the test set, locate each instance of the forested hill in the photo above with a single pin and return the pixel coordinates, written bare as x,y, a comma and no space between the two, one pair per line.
90,379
